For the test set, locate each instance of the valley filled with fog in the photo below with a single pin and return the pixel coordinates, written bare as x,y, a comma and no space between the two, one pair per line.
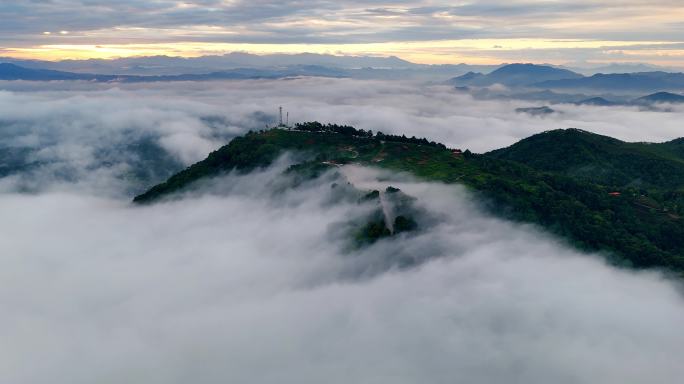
88,131
239,281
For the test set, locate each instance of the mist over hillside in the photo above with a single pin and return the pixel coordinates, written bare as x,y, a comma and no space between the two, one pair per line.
221,285
225,274
145,133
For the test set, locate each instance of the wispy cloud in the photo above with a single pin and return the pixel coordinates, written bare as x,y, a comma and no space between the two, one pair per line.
96,133
336,26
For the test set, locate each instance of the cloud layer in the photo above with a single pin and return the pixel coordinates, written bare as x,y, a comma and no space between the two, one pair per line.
134,26
93,134
244,285
224,288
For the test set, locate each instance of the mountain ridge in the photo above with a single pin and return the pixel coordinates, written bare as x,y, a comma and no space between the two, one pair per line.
10,71
600,159
640,81
356,66
514,75
639,226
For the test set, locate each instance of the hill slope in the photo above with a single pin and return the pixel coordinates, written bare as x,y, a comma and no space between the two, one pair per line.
599,159
640,228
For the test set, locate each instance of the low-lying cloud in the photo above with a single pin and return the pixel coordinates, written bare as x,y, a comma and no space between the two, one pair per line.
246,285
225,288
75,128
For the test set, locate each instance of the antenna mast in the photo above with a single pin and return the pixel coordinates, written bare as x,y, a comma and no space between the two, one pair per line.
287,119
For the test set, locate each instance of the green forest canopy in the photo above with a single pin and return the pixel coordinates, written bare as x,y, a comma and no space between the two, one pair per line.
599,193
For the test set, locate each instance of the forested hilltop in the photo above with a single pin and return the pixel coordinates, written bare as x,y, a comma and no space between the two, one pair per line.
599,193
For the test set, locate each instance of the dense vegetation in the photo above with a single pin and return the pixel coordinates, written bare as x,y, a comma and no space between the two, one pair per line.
601,159
377,226
315,126
597,192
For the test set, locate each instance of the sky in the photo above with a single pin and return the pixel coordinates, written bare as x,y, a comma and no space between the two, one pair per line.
422,31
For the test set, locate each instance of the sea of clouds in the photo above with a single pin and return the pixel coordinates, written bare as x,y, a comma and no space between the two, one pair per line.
247,285
81,130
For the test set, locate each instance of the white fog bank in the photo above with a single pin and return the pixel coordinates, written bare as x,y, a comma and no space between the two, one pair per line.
253,288
248,286
435,111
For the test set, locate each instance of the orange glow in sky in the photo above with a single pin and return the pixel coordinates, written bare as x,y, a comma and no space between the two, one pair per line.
472,51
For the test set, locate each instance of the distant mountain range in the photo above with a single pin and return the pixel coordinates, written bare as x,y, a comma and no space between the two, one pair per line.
351,66
551,78
168,65
529,77
515,75
661,97
640,81
356,66
588,69
653,101
14,72
648,100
